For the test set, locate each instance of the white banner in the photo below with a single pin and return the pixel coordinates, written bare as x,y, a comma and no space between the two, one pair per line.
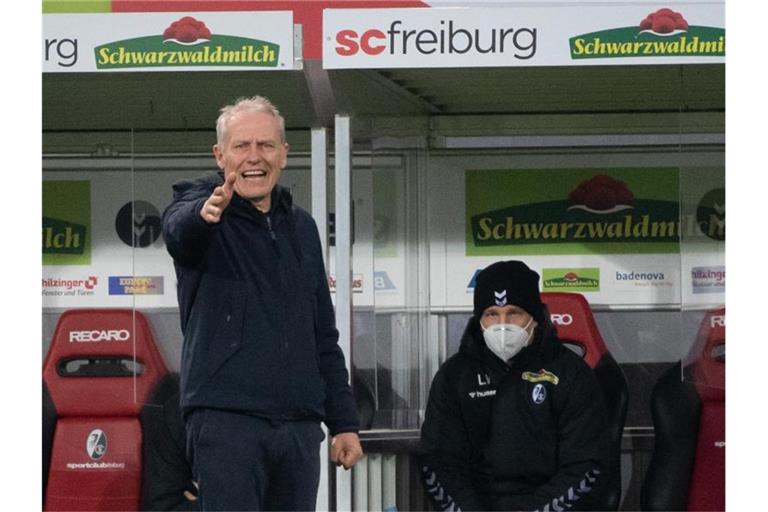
546,35
196,41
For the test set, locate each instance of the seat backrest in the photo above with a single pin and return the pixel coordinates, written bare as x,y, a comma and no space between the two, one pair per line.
575,324
99,370
687,469
706,369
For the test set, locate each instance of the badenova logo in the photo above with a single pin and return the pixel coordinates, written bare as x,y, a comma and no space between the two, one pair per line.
571,279
631,280
187,42
663,33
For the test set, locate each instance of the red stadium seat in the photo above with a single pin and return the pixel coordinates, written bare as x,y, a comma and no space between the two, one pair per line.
687,470
100,368
576,327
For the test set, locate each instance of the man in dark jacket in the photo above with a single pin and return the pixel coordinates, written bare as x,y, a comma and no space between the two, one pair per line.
261,365
515,420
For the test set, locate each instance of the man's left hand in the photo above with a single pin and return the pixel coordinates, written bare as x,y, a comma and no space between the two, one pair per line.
346,449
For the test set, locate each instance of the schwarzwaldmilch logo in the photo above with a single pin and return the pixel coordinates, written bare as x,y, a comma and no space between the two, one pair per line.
96,445
63,237
187,42
599,209
575,280
663,33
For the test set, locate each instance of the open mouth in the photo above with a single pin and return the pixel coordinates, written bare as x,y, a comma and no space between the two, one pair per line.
254,175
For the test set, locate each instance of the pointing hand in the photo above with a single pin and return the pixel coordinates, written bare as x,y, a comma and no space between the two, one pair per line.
216,204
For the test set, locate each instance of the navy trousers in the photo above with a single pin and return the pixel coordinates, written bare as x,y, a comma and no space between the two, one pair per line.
243,462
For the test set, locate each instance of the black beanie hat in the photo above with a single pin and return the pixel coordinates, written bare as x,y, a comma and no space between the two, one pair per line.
508,283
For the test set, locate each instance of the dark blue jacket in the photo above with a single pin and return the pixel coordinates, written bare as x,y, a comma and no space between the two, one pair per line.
529,436
256,313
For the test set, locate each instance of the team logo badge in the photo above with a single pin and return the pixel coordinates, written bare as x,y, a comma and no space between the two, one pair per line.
539,393
96,445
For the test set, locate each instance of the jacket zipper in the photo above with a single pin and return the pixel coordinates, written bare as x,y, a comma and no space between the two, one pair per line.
273,236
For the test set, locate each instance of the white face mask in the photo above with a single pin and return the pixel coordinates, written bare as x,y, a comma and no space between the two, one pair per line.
506,340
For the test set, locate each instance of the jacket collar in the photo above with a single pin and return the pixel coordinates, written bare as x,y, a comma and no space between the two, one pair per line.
281,203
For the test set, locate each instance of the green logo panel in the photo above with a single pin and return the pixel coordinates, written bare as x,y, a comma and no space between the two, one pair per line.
572,211
66,232
571,279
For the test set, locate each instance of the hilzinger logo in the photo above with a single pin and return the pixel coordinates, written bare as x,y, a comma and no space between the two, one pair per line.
54,286
448,39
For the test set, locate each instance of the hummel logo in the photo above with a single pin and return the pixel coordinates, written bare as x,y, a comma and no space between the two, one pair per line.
501,298
482,394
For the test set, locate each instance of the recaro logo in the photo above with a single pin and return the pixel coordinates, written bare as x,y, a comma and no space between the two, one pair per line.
561,318
96,336
717,321
448,39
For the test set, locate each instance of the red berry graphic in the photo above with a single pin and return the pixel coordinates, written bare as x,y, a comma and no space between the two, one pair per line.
186,34
664,21
663,24
187,30
601,192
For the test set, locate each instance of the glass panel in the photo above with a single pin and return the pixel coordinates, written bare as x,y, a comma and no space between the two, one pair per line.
391,321
86,178
702,260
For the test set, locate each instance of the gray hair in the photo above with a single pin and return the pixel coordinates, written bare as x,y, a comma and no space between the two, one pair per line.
255,104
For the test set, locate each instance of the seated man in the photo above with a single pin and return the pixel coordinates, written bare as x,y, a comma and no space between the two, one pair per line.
515,420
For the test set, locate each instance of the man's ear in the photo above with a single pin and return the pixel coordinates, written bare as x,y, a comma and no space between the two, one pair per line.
285,155
219,156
